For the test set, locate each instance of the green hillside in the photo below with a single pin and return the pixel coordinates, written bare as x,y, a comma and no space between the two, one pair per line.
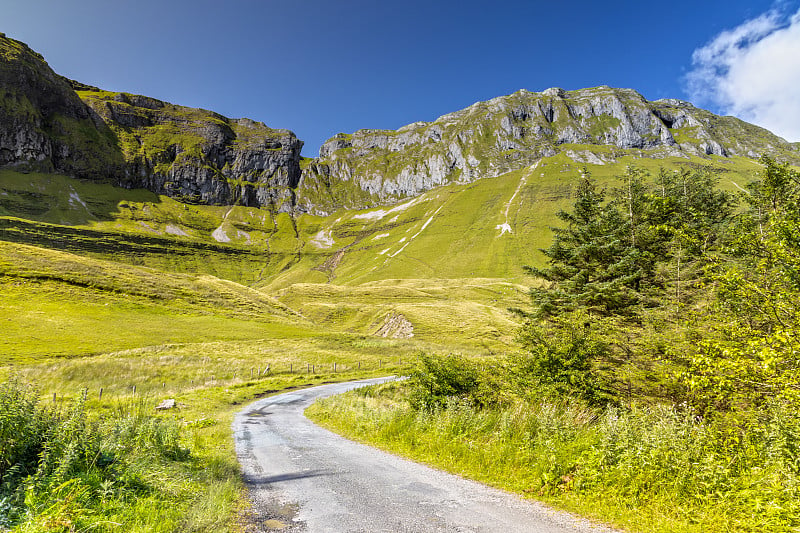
449,261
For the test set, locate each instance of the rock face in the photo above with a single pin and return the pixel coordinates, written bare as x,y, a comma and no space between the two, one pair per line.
507,133
198,155
44,125
52,124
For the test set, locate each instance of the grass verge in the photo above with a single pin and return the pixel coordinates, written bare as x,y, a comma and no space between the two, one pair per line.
644,469
117,464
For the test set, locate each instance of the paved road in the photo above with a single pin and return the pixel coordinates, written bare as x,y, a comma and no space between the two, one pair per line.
306,479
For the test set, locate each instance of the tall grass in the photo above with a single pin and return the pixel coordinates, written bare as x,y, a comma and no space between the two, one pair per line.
65,470
643,468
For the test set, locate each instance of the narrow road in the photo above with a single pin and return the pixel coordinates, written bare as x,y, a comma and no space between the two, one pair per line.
306,479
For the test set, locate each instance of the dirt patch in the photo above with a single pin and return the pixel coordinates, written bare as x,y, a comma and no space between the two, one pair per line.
395,326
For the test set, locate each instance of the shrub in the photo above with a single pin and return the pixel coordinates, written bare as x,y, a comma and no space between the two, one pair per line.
439,378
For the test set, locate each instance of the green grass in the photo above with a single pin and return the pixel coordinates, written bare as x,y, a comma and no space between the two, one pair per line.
99,292
75,325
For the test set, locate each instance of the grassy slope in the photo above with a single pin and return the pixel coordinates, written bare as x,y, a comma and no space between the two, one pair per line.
100,291
328,267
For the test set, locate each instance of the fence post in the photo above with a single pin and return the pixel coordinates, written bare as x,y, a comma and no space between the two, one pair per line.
334,368
134,390
54,397
100,396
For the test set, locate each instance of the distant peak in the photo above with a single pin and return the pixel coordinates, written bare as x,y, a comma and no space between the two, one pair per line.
555,92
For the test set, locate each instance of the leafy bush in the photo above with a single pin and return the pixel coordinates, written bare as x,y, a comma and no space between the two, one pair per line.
560,359
24,428
439,378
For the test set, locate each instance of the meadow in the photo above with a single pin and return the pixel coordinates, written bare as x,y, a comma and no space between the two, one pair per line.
141,297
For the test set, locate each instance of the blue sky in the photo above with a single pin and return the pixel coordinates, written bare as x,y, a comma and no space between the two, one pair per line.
318,67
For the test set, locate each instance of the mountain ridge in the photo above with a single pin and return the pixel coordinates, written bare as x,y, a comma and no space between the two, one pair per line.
52,124
511,132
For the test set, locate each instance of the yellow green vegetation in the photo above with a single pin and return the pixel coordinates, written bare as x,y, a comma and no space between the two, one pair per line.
642,468
113,289
106,342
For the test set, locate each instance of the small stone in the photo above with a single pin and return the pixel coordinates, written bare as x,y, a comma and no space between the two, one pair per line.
166,404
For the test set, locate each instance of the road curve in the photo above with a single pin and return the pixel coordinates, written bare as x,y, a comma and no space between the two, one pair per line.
303,478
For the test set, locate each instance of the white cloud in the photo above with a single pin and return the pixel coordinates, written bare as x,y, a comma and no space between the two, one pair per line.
753,72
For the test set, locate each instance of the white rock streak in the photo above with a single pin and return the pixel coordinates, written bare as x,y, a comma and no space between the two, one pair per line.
219,233
505,226
172,229
323,239
417,233
380,213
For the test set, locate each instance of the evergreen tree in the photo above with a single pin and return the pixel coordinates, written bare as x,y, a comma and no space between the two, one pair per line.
592,264
619,255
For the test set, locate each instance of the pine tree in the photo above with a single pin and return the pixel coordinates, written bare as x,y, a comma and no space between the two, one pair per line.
592,264
616,256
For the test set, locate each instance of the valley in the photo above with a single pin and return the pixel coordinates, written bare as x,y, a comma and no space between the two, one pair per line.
555,271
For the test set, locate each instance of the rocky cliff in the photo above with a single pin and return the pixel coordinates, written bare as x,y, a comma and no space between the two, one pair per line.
197,155
44,125
52,124
510,132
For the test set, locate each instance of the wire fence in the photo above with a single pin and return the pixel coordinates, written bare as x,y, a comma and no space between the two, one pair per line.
127,388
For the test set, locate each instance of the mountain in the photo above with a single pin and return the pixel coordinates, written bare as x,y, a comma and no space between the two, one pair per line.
366,237
51,124
488,139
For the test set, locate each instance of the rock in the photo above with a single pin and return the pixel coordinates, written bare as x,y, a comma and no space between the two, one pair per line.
137,141
166,404
395,326
379,167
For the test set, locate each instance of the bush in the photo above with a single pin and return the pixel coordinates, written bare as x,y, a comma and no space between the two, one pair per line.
439,378
560,359
56,466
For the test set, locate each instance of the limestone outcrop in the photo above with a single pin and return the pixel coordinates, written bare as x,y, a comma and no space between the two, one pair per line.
510,132
51,124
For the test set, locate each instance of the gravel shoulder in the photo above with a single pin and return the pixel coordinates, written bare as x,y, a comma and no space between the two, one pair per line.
303,478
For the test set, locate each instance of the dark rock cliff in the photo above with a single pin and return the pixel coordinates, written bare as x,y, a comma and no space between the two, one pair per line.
52,124
44,125
197,155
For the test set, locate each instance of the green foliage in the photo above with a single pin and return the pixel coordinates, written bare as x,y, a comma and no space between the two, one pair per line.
61,467
618,256
753,358
23,429
561,359
667,469
439,379
592,265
